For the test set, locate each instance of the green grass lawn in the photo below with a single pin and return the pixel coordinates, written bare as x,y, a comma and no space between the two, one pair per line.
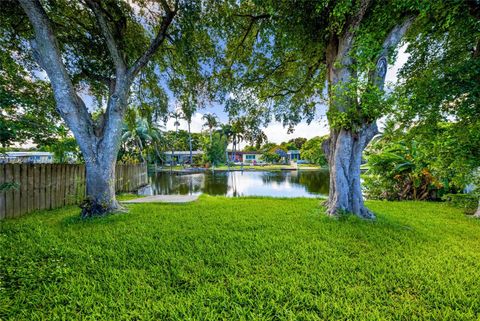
242,259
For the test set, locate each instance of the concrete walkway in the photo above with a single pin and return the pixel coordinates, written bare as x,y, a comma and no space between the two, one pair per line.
164,199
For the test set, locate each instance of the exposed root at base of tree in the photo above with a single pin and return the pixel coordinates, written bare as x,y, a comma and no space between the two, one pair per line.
92,208
364,213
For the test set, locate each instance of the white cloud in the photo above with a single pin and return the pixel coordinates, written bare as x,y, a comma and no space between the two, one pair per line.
276,133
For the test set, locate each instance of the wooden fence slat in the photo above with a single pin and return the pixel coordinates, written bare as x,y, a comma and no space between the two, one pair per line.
53,186
9,205
30,190
58,184
42,187
36,171
67,185
81,193
16,192
64,185
82,182
70,182
23,189
118,177
75,185
48,186
2,194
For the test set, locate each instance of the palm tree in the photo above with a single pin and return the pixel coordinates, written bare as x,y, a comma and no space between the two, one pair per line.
211,122
238,131
226,131
188,109
177,116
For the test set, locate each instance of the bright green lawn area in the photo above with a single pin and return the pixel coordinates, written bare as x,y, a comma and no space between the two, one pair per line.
242,259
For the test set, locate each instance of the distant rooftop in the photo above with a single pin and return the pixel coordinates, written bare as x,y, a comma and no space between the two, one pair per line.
23,154
242,153
184,152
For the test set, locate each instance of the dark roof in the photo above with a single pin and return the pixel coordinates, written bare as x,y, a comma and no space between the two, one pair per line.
242,153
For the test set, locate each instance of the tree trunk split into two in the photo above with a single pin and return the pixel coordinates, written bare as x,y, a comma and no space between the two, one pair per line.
100,182
99,141
344,148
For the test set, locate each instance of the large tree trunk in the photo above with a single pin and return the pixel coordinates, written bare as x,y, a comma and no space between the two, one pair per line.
477,213
98,140
100,182
345,146
344,152
190,144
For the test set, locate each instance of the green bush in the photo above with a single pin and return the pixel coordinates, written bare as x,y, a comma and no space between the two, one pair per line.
467,202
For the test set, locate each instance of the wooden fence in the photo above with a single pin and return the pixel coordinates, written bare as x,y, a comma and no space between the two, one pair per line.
48,186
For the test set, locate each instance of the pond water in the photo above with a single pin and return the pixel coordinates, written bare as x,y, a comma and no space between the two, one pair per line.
236,183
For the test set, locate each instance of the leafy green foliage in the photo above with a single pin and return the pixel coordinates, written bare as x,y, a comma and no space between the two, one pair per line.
214,151
9,186
397,171
27,108
273,153
437,99
179,140
142,137
64,149
313,152
245,258
422,163
277,51
467,202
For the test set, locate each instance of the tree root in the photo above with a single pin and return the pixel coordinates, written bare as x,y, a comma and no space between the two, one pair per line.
92,208
334,211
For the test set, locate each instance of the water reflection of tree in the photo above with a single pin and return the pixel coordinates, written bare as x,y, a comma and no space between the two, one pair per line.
274,177
316,182
215,183
167,183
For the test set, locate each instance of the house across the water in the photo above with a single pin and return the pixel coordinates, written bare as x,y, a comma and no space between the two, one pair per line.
180,156
293,155
244,157
27,157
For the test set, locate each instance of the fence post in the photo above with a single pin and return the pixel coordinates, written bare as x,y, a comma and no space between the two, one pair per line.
2,194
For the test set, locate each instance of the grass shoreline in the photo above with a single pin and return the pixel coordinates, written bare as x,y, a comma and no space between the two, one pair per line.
242,258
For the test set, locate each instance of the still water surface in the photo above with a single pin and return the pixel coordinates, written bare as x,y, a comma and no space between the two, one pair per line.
276,184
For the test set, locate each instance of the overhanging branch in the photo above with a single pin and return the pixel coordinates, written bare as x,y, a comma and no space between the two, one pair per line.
70,106
155,44
112,45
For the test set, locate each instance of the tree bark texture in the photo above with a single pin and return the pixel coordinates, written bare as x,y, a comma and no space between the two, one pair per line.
344,148
477,212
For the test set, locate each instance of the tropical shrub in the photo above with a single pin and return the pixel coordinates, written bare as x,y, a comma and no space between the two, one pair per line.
467,202
397,171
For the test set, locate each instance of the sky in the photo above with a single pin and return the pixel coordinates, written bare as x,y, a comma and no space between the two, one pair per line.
275,132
